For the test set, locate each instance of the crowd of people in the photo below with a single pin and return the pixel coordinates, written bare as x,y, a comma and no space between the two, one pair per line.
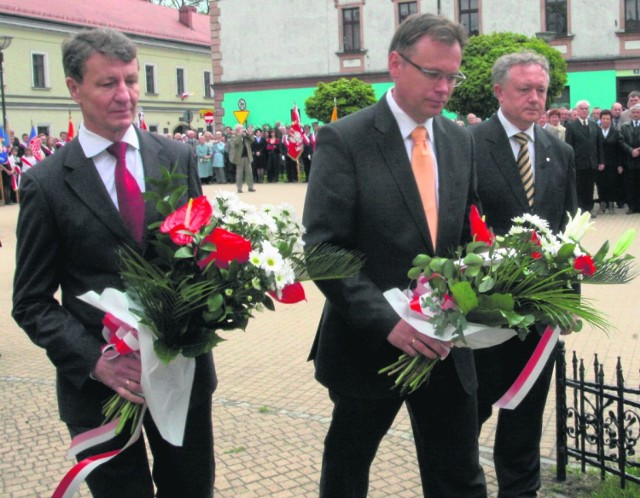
606,144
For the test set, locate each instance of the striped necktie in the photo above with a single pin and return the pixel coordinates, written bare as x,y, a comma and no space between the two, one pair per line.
524,166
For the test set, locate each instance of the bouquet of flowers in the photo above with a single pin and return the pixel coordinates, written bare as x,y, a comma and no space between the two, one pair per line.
214,266
497,286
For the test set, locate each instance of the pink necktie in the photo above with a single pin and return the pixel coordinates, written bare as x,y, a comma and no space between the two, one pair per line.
424,170
130,200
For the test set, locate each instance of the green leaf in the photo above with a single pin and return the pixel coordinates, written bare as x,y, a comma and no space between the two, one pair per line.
464,296
215,302
566,252
421,260
496,301
184,252
473,260
486,284
164,352
414,272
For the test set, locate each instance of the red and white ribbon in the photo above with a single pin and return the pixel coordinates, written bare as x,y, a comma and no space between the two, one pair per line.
530,373
70,483
121,337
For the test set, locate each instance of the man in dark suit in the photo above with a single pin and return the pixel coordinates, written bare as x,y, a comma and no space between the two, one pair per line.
630,143
585,138
520,85
70,227
363,196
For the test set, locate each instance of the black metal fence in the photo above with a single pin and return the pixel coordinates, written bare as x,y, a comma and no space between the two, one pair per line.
596,423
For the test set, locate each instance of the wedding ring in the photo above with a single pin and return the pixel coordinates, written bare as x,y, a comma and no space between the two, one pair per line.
127,383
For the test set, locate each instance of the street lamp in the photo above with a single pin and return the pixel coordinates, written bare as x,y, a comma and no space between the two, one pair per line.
5,41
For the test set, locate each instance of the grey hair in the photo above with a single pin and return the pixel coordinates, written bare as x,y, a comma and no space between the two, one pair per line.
436,27
505,62
635,106
108,42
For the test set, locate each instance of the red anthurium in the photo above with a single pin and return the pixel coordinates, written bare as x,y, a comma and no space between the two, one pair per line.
229,247
584,264
292,293
448,303
191,218
479,229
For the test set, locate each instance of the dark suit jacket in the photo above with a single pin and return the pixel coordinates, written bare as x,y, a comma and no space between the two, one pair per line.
629,140
499,185
363,196
613,152
586,142
68,233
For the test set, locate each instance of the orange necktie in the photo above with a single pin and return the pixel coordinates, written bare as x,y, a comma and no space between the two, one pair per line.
424,170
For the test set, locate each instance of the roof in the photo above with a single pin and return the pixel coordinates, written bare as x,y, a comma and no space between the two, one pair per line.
136,17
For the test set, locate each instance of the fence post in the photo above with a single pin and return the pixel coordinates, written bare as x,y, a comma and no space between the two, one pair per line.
622,435
561,413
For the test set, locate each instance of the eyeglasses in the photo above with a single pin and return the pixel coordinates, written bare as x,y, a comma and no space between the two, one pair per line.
434,76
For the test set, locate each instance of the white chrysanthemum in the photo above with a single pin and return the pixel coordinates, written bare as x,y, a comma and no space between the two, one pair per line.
284,276
271,259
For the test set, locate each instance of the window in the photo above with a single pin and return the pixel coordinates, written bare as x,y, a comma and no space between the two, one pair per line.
556,15
405,9
351,30
632,16
208,92
39,69
469,16
180,81
150,78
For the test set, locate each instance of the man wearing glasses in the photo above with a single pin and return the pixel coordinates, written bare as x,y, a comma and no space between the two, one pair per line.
391,181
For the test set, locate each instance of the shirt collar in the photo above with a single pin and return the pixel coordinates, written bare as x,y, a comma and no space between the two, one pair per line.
511,129
405,122
93,144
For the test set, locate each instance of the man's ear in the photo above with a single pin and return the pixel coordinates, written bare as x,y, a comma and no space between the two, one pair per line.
74,88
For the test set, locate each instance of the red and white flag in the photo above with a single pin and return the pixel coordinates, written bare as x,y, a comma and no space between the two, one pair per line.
71,130
296,145
141,123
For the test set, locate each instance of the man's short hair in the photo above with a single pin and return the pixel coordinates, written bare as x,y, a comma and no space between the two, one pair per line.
634,93
438,28
635,106
108,42
502,65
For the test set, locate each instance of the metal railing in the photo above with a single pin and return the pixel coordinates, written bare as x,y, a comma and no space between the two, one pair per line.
596,423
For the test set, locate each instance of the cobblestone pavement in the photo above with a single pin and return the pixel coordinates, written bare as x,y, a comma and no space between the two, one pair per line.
270,415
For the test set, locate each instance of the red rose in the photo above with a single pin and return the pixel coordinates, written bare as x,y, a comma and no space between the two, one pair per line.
229,247
189,218
584,264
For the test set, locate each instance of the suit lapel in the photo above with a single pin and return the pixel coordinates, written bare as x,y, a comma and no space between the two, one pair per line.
391,146
502,155
84,180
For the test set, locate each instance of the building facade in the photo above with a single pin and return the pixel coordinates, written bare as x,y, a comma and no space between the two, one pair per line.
268,56
174,52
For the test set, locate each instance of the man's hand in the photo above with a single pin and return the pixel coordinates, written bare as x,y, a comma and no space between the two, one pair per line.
122,374
635,152
405,337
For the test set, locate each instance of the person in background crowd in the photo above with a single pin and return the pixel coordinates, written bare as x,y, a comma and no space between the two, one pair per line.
630,142
204,155
595,115
371,202
240,154
28,160
585,138
632,99
471,119
543,120
553,126
218,149
273,157
48,146
64,138
546,189
11,176
616,112
607,176
307,151
258,147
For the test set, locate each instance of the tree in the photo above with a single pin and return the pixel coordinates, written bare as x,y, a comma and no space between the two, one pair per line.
476,93
350,96
201,5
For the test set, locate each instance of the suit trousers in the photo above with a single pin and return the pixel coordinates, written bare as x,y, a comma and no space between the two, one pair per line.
188,470
585,181
516,450
244,173
445,430
632,185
